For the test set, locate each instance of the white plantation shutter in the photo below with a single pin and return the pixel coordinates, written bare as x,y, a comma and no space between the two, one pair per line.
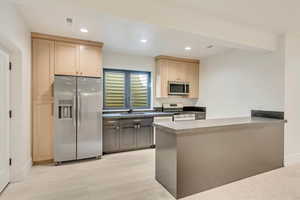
114,90
139,90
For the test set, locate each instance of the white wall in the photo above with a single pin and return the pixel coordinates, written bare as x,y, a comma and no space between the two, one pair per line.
233,83
15,40
140,63
292,98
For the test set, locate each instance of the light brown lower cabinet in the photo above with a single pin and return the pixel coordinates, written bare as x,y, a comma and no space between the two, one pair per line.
42,131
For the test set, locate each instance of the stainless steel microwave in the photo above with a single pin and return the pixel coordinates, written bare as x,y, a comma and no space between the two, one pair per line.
178,88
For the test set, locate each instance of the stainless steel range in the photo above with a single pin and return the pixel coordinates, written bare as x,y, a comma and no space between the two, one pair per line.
180,115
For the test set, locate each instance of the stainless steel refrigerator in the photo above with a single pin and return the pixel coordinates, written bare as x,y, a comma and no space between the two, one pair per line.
78,118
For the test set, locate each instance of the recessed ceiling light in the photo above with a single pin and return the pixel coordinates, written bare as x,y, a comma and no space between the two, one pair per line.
84,30
143,40
188,48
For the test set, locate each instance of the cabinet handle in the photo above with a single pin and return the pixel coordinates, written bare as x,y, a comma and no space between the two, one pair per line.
52,89
137,126
52,109
111,122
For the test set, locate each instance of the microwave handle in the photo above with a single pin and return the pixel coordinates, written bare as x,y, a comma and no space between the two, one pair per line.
187,89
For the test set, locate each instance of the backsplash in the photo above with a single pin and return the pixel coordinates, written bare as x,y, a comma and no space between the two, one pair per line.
186,102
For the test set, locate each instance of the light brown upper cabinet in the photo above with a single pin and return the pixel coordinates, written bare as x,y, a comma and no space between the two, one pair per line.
192,76
176,69
90,61
78,60
66,58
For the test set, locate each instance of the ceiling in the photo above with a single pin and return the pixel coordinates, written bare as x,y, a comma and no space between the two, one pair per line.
278,16
122,35
118,34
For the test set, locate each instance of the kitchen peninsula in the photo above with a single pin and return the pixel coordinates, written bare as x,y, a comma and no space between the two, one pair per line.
194,156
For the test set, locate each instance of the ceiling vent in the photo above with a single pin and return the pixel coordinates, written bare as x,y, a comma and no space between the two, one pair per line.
69,21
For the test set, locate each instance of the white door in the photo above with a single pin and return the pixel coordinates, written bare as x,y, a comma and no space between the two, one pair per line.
4,120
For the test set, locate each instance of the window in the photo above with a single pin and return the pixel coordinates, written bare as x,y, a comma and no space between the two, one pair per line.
125,89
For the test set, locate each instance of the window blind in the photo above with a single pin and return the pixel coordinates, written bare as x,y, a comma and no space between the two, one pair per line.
114,89
139,90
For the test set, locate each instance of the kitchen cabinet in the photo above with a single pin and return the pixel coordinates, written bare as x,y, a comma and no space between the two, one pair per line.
144,136
111,138
66,58
90,61
42,131
42,99
42,69
56,55
127,134
127,138
78,60
176,69
161,78
192,76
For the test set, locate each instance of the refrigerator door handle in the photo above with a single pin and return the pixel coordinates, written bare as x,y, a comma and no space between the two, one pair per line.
78,109
74,111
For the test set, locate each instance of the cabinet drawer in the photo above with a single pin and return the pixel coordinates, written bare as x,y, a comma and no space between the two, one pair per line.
128,122
136,121
110,122
146,122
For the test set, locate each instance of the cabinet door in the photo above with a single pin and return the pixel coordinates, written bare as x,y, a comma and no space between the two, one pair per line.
66,58
42,131
161,83
192,73
174,70
110,139
127,138
144,137
90,63
42,69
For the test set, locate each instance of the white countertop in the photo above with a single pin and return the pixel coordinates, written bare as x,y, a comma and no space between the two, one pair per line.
184,126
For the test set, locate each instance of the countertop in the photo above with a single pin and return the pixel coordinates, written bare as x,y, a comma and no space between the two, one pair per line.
189,126
135,115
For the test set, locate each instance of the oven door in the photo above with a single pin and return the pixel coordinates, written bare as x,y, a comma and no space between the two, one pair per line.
178,88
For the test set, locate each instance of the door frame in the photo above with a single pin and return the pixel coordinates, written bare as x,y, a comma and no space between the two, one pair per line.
7,108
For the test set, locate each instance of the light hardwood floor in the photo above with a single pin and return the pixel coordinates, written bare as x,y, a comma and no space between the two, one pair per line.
130,176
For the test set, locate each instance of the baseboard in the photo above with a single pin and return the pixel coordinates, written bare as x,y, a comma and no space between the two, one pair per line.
20,173
292,159
43,162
